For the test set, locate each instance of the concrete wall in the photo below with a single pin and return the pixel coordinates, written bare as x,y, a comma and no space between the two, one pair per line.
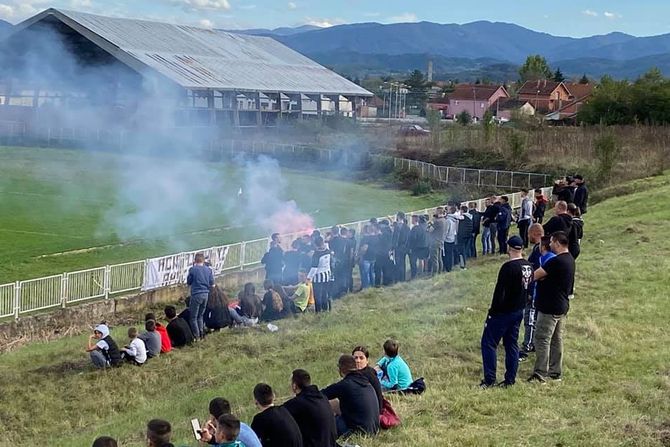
78,319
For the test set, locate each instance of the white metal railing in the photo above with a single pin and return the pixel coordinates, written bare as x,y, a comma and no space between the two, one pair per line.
55,291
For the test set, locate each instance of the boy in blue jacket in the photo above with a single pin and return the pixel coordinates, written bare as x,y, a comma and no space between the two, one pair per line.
395,374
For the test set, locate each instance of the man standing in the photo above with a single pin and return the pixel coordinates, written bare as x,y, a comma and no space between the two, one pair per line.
504,219
490,226
437,231
581,194
560,221
555,282
540,206
525,216
450,239
464,236
476,227
418,246
535,233
505,315
400,246
201,280
273,260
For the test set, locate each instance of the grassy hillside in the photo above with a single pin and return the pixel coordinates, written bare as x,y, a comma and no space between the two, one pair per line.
56,201
616,389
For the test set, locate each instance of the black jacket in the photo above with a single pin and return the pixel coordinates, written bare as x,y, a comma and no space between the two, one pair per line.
582,198
561,222
274,263
113,354
490,214
314,417
401,237
371,374
180,333
418,237
358,402
476,221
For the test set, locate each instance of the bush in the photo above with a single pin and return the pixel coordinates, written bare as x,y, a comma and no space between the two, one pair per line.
516,146
464,118
607,153
422,186
383,165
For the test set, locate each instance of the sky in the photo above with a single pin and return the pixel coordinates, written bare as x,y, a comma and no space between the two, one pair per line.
565,17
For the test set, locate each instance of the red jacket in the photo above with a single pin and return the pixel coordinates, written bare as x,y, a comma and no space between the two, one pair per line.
166,345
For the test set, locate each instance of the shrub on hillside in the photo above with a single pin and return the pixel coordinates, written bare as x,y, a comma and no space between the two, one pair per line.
607,153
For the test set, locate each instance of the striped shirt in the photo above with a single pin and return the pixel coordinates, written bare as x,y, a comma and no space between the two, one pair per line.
320,271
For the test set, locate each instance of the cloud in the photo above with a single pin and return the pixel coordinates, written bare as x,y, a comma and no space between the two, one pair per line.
16,10
199,5
407,17
247,7
612,15
206,23
588,12
292,5
323,22
80,4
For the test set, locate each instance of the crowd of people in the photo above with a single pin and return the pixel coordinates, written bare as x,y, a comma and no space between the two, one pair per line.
312,418
319,269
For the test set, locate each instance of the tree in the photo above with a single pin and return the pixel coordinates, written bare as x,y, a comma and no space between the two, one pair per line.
584,79
464,118
558,75
535,68
418,86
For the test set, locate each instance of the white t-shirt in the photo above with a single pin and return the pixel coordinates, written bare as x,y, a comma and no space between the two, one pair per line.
138,350
102,345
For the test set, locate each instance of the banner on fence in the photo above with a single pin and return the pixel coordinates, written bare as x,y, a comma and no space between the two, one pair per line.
170,270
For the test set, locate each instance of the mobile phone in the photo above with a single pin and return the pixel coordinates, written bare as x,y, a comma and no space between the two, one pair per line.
195,424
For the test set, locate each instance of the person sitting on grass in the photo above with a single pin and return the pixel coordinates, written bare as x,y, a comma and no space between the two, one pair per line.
178,329
273,305
105,441
217,315
396,375
311,412
362,356
250,307
166,344
151,339
219,407
353,400
105,352
135,352
274,425
227,431
300,297
159,433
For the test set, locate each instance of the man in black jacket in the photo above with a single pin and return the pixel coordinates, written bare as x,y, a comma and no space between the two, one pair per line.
274,426
358,404
476,227
273,260
312,412
581,194
505,315
490,226
400,246
178,329
560,221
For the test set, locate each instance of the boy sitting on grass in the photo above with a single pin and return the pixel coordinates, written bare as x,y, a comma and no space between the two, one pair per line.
136,351
227,431
396,375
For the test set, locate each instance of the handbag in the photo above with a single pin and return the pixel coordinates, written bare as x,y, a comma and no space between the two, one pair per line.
388,418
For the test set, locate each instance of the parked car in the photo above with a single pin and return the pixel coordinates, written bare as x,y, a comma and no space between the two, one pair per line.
413,130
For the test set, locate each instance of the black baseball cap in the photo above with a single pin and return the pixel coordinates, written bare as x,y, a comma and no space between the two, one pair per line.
515,242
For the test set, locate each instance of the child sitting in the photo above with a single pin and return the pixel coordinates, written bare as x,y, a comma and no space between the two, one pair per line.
395,374
136,351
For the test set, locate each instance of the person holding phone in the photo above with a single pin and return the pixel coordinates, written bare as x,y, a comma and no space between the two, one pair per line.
217,408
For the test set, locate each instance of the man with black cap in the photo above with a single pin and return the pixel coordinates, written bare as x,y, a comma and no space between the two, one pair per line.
581,194
505,315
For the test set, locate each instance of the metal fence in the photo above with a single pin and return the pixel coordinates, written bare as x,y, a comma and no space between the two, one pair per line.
469,176
23,297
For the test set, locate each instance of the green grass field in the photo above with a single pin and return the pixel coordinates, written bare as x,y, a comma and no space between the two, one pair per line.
616,389
61,201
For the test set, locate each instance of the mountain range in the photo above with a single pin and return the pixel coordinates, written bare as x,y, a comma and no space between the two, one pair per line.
471,49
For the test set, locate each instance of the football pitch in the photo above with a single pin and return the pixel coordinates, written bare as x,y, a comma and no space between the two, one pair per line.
65,210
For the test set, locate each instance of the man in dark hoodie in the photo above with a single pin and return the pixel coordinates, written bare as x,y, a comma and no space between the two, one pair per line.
419,246
311,411
178,329
400,246
384,267
576,231
560,221
581,194
504,220
273,260
358,404
159,433
490,226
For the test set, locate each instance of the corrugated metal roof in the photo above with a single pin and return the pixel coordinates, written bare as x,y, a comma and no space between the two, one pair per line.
198,58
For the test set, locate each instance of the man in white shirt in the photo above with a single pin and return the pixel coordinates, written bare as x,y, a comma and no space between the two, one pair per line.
136,351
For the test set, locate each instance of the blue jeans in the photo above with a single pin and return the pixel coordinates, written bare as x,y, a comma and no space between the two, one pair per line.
486,240
367,273
196,308
505,327
448,259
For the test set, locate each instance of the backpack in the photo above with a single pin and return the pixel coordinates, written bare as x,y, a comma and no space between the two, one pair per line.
277,302
388,418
